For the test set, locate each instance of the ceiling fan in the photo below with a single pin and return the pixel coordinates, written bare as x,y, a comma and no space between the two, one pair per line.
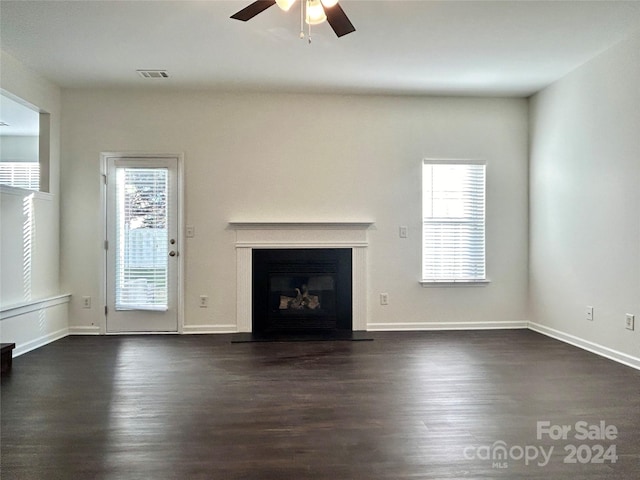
313,11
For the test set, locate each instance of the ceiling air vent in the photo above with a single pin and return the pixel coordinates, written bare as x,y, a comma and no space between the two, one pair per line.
153,73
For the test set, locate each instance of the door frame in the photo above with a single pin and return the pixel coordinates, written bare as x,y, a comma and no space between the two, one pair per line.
104,170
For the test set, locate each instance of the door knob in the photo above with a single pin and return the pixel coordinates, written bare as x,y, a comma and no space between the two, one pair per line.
173,253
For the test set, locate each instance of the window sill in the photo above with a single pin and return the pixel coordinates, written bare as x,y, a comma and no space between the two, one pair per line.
454,283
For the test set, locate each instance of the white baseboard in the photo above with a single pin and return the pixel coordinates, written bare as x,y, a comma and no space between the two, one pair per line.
415,326
195,329
91,330
611,354
592,347
40,342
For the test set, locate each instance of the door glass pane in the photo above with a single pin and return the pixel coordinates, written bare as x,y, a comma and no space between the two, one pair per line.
141,237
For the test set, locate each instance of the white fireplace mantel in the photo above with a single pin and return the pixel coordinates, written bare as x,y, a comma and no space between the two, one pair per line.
300,225
301,234
250,235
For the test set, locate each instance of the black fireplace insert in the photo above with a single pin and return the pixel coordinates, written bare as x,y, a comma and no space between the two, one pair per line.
301,290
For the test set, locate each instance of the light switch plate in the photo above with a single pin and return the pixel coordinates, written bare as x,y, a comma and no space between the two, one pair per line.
630,321
204,301
589,313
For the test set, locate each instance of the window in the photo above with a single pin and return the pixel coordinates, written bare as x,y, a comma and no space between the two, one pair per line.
20,174
141,232
453,221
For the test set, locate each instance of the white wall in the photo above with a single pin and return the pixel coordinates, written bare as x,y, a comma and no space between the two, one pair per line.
19,148
29,223
29,265
36,324
585,221
276,157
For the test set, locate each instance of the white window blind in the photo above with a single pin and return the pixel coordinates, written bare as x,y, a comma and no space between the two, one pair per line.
141,232
453,226
20,174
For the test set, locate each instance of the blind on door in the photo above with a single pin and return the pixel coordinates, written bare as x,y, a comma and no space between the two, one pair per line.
453,222
141,237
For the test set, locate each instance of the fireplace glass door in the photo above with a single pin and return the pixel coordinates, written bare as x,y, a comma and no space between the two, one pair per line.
302,301
301,290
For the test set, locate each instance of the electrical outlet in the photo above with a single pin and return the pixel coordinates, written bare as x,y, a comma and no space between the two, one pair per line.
630,321
589,313
204,301
404,232
86,302
190,231
384,299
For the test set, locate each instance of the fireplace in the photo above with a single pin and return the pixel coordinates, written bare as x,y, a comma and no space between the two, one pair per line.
301,290
276,236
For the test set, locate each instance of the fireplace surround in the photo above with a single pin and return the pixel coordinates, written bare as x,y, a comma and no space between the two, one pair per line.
252,236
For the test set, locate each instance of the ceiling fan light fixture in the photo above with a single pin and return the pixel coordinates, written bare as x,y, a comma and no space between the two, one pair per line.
329,3
315,12
285,5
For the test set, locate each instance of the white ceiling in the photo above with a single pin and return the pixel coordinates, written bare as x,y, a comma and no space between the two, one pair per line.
511,48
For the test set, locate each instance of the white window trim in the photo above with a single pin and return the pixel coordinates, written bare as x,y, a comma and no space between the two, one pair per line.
444,283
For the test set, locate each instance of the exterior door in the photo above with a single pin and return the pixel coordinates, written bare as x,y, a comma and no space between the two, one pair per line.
142,244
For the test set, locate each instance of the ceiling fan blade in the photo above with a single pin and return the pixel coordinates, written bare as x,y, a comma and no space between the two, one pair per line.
339,20
252,10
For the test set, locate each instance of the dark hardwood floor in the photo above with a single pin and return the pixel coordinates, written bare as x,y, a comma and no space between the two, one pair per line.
414,405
